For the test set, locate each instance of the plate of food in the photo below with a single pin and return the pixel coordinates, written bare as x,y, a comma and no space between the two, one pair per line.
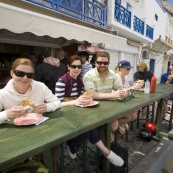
31,118
90,101
88,105
141,82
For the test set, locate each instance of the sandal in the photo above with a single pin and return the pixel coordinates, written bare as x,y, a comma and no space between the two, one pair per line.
126,126
122,130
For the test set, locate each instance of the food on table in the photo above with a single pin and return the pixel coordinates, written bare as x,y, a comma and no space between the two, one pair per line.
90,99
32,118
140,82
28,103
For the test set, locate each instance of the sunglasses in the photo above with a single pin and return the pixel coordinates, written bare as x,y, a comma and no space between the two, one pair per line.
104,63
74,66
19,73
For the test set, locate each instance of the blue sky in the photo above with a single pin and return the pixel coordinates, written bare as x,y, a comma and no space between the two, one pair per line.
170,2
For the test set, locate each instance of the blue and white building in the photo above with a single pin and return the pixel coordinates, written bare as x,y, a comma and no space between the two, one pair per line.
127,29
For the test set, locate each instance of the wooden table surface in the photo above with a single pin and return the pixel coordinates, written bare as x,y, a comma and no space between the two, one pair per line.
19,143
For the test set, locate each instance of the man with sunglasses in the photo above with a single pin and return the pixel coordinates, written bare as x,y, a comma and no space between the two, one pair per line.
100,81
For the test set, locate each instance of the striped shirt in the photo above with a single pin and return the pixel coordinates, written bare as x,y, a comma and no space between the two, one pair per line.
93,81
60,90
85,68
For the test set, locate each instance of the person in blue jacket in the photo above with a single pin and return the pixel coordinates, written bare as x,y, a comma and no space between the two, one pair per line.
167,78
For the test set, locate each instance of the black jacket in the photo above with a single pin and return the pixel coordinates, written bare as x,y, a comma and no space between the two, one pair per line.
48,74
143,76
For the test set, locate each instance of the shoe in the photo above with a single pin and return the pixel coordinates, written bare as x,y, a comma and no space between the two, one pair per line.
122,130
126,126
73,156
115,159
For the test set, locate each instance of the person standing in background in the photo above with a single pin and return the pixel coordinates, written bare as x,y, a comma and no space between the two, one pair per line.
167,78
60,54
33,58
93,60
86,66
49,70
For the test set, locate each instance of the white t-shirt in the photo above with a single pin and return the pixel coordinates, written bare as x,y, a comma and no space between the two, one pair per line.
126,84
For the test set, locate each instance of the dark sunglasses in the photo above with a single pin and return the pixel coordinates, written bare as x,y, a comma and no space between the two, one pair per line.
19,73
104,63
74,66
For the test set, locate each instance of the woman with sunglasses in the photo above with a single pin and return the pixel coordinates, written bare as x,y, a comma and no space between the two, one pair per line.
71,86
21,86
122,70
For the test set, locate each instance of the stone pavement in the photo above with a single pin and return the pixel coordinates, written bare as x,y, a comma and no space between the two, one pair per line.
136,147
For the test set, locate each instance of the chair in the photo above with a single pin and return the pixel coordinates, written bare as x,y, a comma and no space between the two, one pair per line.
170,112
149,115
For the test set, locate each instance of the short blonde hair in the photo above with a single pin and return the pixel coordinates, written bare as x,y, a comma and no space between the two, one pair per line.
22,61
144,65
116,69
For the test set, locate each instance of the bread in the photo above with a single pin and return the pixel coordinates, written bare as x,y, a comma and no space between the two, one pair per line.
27,102
140,82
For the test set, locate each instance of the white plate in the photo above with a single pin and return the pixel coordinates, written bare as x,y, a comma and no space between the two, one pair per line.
31,118
84,106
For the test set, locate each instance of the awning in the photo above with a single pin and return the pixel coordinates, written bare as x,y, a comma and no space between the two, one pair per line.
159,46
19,20
133,43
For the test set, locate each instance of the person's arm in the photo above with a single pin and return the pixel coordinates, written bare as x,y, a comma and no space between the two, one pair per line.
52,102
106,96
3,117
169,79
12,113
165,79
60,90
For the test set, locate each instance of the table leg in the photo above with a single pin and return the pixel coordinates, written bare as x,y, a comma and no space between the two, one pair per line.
107,137
47,159
159,116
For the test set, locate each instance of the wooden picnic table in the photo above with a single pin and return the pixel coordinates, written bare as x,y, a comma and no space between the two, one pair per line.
21,142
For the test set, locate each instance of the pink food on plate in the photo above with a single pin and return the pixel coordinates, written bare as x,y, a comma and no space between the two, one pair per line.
31,118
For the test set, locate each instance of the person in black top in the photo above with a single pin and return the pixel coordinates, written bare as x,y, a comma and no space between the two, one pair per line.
60,54
143,72
33,58
49,70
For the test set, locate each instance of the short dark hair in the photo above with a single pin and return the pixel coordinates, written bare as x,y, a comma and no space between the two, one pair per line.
33,54
46,52
86,54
